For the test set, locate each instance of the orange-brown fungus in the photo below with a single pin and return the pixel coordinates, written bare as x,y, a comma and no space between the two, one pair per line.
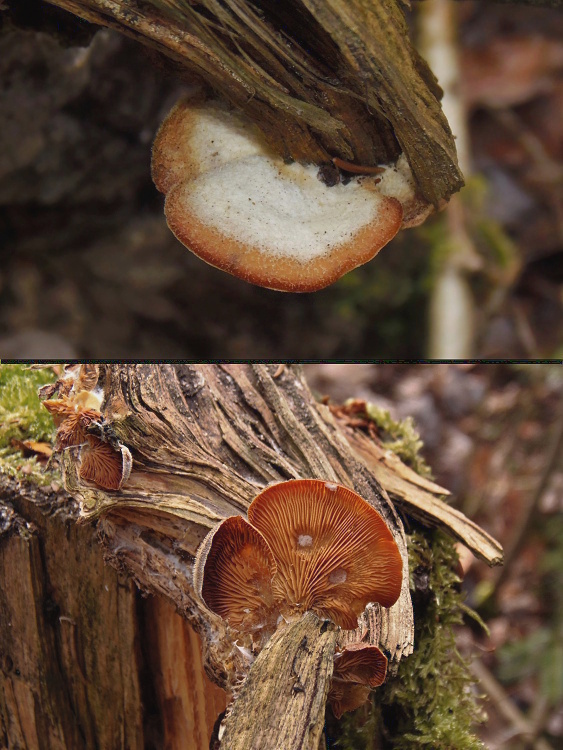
72,420
237,570
101,464
334,552
362,663
346,696
357,669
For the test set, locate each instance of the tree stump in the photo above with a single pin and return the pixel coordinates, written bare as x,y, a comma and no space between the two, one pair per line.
204,440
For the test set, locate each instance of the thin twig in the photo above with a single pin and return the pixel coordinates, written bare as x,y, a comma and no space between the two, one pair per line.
505,705
521,529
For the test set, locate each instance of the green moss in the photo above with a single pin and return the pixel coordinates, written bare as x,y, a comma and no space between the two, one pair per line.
400,437
431,702
22,417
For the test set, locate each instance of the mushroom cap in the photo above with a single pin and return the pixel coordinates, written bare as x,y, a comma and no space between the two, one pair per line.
101,464
334,553
233,572
346,696
361,663
239,207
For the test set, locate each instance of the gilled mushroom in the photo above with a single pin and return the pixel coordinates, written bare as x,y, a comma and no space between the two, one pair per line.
358,668
241,208
99,462
236,583
308,545
346,696
102,465
73,416
334,552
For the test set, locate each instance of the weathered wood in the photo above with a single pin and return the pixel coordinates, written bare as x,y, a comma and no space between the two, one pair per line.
321,78
189,702
83,661
282,702
205,439
69,668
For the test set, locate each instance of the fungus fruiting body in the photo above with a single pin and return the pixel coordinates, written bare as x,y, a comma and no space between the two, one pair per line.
74,413
241,208
334,552
240,566
307,545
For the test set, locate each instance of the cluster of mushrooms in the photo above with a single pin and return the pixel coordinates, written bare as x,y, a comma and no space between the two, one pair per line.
76,413
241,208
308,545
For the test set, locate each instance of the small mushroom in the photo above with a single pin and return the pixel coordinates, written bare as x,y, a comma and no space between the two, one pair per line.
102,465
99,462
240,207
346,696
334,552
232,574
358,668
73,416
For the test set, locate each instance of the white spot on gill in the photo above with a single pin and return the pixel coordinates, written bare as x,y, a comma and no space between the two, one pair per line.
305,540
338,576
331,487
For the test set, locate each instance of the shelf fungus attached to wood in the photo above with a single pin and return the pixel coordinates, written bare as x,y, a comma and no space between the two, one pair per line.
240,207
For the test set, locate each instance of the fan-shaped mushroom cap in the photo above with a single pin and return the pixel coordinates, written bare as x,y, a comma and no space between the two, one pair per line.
101,464
334,553
233,573
357,668
346,696
362,663
239,207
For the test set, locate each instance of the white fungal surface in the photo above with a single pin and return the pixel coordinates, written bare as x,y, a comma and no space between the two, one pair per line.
397,181
248,194
281,208
305,540
331,487
338,576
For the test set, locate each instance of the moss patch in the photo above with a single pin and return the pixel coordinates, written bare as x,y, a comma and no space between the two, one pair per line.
22,417
400,437
432,702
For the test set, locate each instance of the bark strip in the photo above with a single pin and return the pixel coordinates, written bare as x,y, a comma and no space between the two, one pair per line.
282,702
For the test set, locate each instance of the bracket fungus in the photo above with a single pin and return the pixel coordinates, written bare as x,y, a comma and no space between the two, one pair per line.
307,545
241,208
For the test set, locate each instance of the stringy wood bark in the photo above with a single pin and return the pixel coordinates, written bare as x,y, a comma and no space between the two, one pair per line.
84,663
282,702
321,78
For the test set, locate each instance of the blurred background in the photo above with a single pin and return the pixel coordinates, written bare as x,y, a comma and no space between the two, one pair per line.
88,267
493,435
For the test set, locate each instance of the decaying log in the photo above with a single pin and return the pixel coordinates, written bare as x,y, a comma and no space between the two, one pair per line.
84,661
321,78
